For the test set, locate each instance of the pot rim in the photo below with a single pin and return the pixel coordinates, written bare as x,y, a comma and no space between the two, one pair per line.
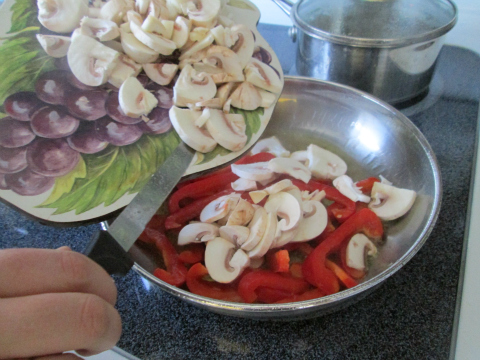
369,42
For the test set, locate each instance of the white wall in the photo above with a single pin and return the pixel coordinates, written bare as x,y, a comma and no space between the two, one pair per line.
465,33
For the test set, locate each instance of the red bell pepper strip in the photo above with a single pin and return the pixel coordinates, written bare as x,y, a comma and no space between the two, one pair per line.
193,254
157,222
307,295
366,185
176,272
346,279
191,211
278,261
252,281
223,170
197,285
314,268
200,189
342,207
268,295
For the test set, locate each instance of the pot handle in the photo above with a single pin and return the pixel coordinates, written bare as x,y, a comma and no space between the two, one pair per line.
285,5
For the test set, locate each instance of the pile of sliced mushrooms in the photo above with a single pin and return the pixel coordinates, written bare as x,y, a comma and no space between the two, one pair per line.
196,40
238,234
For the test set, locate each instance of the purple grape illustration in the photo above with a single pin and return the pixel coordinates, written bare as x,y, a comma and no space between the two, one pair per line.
20,105
87,104
115,112
12,160
28,183
15,133
52,87
116,133
85,139
51,157
158,123
53,123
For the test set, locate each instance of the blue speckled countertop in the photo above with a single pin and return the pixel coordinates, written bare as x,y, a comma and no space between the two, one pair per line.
409,317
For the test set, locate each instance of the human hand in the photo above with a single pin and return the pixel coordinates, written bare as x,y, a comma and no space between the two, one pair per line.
53,301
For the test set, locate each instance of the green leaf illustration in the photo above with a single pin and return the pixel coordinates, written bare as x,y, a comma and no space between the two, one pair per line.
113,173
24,14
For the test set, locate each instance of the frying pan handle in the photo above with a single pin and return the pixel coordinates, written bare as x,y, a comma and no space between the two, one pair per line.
105,251
285,5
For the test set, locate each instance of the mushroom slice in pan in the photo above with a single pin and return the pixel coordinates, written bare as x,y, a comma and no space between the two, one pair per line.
197,232
257,228
219,208
322,163
271,145
291,167
256,171
313,222
236,234
390,202
358,248
287,207
345,185
223,262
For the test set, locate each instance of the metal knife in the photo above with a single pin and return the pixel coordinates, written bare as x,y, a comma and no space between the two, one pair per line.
110,247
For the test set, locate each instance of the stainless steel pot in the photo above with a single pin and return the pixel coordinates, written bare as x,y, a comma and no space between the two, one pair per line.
373,138
387,48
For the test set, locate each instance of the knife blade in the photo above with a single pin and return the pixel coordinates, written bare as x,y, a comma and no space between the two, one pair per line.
109,248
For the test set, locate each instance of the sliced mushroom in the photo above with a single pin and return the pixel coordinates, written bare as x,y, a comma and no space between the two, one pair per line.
257,229
116,10
183,120
219,208
155,42
256,171
345,185
244,185
236,234
390,202
291,167
244,43
279,186
134,99
227,129
181,30
156,26
246,97
267,239
241,214
191,87
161,73
225,64
196,47
61,16
287,207
284,237
263,76
268,98
322,163
103,30
90,61
258,195
314,221
125,68
137,51
142,6
55,46
271,145
221,265
358,248
202,12
197,232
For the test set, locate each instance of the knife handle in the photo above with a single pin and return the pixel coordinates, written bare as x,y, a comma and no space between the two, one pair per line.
105,251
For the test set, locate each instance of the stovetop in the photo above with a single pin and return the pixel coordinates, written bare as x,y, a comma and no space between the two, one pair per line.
411,316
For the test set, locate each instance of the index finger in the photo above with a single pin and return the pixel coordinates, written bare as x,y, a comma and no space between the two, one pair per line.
35,271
